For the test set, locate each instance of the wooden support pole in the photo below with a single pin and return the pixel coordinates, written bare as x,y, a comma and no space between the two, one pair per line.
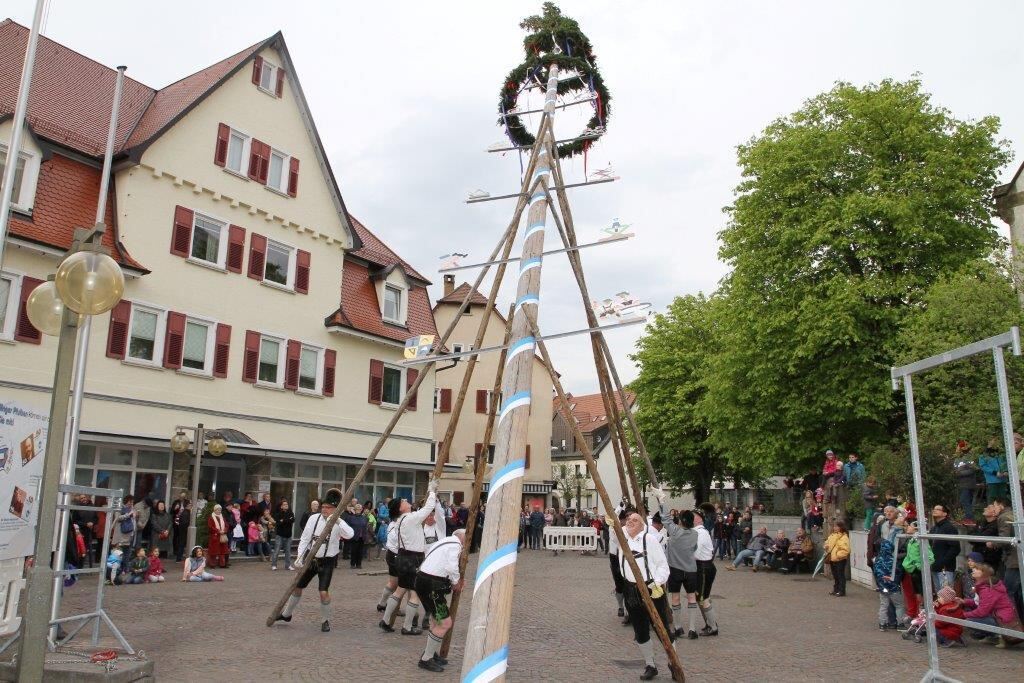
486,654
659,627
508,237
479,465
628,485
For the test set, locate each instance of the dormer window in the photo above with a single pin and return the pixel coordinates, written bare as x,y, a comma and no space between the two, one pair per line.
24,179
392,304
267,76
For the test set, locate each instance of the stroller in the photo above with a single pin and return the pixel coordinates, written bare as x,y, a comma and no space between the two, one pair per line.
917,629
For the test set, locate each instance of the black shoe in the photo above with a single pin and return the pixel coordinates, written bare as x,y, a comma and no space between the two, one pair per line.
678,633
281,617
440,660
883,627
622,613
381,608
387,628
692,635
708,631
411,632
325,627
415,622
649,673
626,621
430,665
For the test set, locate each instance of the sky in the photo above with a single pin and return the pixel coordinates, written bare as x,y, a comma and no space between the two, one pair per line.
404,96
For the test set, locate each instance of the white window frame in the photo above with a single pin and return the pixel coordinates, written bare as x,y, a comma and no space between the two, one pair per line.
437,399
458,347
398,314
222,242
290,279
285,170
272,68
401,385
211,344
25,200
10,323
159,335
243,164
318,389
282,359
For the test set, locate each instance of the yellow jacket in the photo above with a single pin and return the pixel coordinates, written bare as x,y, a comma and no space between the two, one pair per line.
838,547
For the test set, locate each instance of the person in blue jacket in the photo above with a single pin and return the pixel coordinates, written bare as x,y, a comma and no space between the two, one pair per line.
993,465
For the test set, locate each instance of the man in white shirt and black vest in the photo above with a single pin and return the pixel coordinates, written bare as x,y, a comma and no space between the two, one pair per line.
411,546
438,576
326,559
645,545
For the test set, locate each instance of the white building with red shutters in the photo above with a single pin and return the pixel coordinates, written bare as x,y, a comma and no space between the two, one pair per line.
253,302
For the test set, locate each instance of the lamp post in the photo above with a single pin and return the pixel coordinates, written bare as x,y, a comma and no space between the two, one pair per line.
180,444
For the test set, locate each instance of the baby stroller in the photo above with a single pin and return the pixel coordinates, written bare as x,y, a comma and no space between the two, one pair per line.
918,628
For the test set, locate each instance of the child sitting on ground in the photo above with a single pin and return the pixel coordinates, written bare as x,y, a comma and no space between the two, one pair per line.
138,567
155,574
114,566
195,567
949,635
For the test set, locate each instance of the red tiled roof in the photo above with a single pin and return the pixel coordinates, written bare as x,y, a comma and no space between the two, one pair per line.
459,293
69,102
378,253
65,199
590,406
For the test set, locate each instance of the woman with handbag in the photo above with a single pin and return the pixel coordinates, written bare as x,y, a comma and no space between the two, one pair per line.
160,529
123,530
217,550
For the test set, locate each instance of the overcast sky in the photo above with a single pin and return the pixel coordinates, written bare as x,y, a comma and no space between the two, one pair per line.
404,96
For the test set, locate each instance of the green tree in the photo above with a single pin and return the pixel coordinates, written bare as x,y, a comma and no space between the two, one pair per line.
671,357
848,211
568,481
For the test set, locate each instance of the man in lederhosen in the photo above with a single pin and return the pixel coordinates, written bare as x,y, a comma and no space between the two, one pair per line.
645,545
438,576
706,570
411,546
321,566
613,560
391,552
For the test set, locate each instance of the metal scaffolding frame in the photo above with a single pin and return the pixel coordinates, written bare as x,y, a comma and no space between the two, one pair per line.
905,374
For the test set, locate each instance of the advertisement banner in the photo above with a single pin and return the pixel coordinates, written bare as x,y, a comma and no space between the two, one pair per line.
22,446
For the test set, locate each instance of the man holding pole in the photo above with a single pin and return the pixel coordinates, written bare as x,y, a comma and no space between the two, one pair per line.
411,546
438,576
645,545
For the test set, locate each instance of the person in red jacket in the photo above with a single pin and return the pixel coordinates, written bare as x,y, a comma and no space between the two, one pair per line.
950,635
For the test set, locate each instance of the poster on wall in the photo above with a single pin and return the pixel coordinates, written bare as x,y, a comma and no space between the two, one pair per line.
22,445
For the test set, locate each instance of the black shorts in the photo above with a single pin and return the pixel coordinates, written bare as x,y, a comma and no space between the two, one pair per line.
322,568
706,578
688,581
407,564
432,591
389,559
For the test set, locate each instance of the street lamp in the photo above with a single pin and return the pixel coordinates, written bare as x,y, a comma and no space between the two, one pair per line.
217,447
45,308
90,282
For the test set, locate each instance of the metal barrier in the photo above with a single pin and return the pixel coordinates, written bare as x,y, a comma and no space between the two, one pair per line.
570,538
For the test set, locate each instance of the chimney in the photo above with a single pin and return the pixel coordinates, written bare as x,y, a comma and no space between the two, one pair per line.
449,284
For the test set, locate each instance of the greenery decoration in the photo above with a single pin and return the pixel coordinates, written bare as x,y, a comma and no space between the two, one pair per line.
576,54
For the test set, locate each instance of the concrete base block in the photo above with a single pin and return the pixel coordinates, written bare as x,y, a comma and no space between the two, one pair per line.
86,672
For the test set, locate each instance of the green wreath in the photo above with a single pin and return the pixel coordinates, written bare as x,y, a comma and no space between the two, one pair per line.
576,54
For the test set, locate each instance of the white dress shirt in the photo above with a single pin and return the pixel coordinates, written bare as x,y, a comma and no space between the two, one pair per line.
705,548
314,526
392,542
435,532
652,561
410,527
443,559
613,543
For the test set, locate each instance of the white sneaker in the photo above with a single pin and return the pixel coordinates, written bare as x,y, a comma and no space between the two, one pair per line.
273,569
291,569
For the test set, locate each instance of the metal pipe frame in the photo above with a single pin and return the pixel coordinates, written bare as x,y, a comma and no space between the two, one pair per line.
514,259
904,374
561,187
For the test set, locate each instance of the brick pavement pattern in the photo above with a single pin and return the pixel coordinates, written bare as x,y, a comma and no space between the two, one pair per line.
564,628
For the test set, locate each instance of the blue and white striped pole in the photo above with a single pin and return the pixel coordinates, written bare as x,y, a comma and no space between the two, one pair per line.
486,657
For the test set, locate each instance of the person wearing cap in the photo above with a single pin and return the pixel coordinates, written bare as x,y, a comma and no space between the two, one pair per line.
438,576
323,562
411,543
645,546
946,552
946,604
391,552
706,572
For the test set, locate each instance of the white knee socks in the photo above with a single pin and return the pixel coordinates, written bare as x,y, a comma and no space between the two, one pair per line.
325,611
433,645
411,610
388,592
389,613
289,606
647,650
691,613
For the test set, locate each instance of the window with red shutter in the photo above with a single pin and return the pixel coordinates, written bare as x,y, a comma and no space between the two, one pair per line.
181,235
280,82
251,361
330,360
291,373
446,401
410,379
255,146
174,341
264,169
25,331
220,152
117,333
222,350
236,248
302,271
257,69
293,177
376,381
257,256
481,400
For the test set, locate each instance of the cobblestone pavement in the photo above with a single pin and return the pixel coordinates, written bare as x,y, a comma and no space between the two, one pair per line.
564,628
